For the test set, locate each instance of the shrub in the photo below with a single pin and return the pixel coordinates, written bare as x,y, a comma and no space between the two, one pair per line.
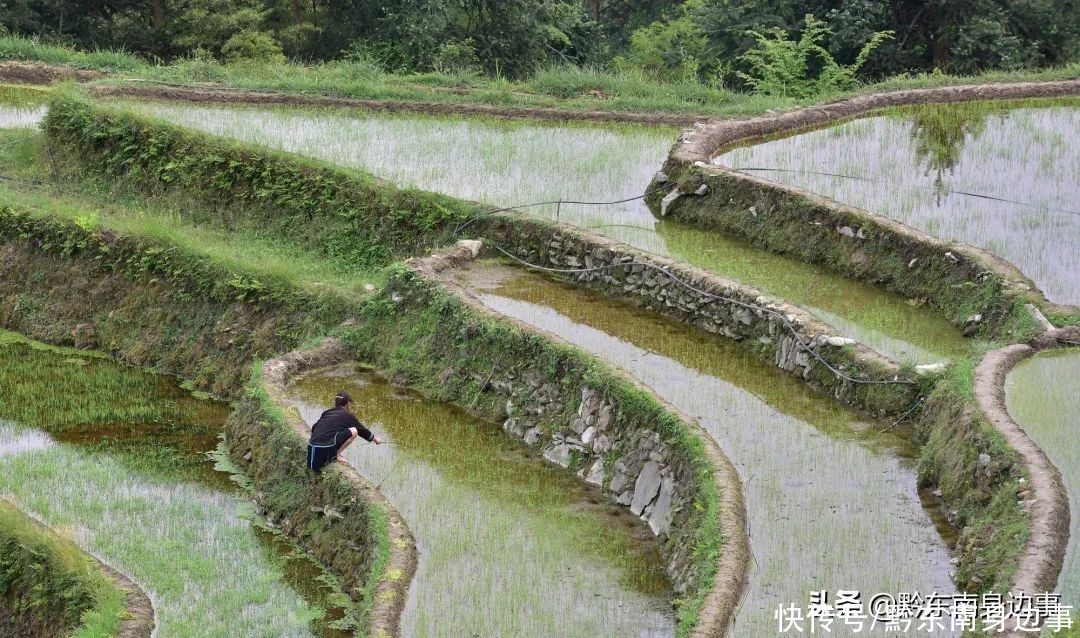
252,46
779,66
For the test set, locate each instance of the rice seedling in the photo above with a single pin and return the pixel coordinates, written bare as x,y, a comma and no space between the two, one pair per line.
116,458
832,498
1043,395
509,546
20,116
510,163
922,163
171,220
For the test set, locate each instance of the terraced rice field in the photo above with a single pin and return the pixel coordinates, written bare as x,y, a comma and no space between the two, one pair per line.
831,497
511,163
115,458
1001,176
509,545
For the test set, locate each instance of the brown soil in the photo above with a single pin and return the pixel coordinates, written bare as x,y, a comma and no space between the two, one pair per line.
701,143
140,611
40,73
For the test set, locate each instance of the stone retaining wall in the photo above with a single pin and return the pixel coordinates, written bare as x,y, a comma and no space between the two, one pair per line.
973,288
580,415
757,321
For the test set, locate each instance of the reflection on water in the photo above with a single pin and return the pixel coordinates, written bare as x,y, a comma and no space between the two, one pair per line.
509,545
20,116
831,497
127,471
1043,395
512,163
919,163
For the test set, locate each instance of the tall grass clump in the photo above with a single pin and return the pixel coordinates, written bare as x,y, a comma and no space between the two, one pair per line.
33,49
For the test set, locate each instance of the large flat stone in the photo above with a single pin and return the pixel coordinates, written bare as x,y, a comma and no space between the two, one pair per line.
646,487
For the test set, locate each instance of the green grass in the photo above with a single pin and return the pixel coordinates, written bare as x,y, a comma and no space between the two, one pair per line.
61,583
241,251
17,47
191,545
168,219
567,87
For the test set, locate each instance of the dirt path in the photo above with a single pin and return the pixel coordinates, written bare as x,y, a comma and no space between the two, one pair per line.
1044,552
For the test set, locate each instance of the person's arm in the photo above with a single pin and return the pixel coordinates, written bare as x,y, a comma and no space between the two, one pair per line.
358,429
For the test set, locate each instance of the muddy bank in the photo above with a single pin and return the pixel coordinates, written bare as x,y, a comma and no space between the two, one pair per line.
50,584
973,288
1044,497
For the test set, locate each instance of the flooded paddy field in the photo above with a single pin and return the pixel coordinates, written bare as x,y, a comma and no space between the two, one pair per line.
998,175
513,163
1043,396
831,497
509,544
116,459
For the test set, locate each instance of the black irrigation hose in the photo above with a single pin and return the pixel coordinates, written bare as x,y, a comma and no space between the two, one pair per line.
878,181
787,323
557,202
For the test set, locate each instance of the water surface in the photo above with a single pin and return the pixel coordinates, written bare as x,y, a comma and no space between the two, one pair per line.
915,164
513,163
1043,395
116,458
831,497
509,545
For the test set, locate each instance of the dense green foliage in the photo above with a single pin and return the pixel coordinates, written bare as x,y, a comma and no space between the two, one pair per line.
48,585
699,39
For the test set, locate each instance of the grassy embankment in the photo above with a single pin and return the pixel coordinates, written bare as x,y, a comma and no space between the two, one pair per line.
563,87
188,183
49,587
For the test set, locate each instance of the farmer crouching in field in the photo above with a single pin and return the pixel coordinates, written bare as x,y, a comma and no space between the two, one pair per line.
335,430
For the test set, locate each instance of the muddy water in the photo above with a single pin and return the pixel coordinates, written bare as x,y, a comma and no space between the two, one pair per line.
920,165
513,163
1043,395
831,497
20,116
509,545
117,458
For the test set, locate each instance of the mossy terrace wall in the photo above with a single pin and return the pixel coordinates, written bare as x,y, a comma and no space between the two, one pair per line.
152,304
971,287
550,395
50,588
149,303
356,220
623,272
